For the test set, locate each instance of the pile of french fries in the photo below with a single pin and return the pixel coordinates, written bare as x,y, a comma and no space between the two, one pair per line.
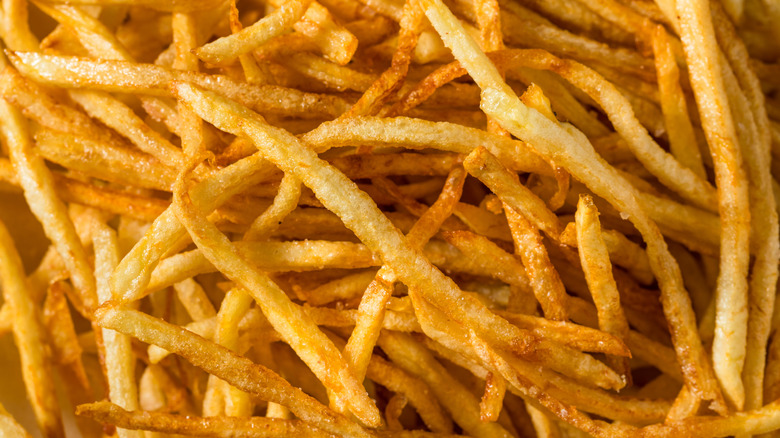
386,218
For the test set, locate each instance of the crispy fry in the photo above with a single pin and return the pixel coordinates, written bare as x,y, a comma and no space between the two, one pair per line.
250,377
728,353
30,335
598,273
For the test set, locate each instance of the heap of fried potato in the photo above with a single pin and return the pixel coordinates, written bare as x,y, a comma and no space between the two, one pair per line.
491,218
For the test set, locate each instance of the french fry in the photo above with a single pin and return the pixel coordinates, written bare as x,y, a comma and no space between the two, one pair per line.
250,377
207,426
249,38
731,323
102,75
598,273
30,335
276,306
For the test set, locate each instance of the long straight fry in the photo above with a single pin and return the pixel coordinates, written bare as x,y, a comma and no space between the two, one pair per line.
728,349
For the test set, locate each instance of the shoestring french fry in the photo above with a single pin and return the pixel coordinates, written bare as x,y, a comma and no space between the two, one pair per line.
373,218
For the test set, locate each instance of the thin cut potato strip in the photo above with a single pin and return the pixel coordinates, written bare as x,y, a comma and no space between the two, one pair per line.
385,218
30,334
252,378
249,38
728,350
122,76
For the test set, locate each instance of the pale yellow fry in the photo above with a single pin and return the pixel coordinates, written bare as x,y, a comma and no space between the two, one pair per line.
154,80
755,422
576,336
598,274
295,327
103,160
764,224
308,255
682,141
221,362
236,403
702,228
332,75
285,201
472,252
544,426
572,151
91,33
619,110
336,42
9,427
30,338
119,356
342,288
420,134
230,47
15,25
6,320
121,118
703,56
484,166
205,328
37,104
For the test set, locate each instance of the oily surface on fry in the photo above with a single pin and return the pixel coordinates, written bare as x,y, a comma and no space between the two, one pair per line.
412,218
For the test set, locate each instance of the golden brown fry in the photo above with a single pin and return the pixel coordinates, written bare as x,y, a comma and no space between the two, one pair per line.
598,274
483,165
223,363
460,403
544,279
682,140
165,5
230,47
30,336
212,426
